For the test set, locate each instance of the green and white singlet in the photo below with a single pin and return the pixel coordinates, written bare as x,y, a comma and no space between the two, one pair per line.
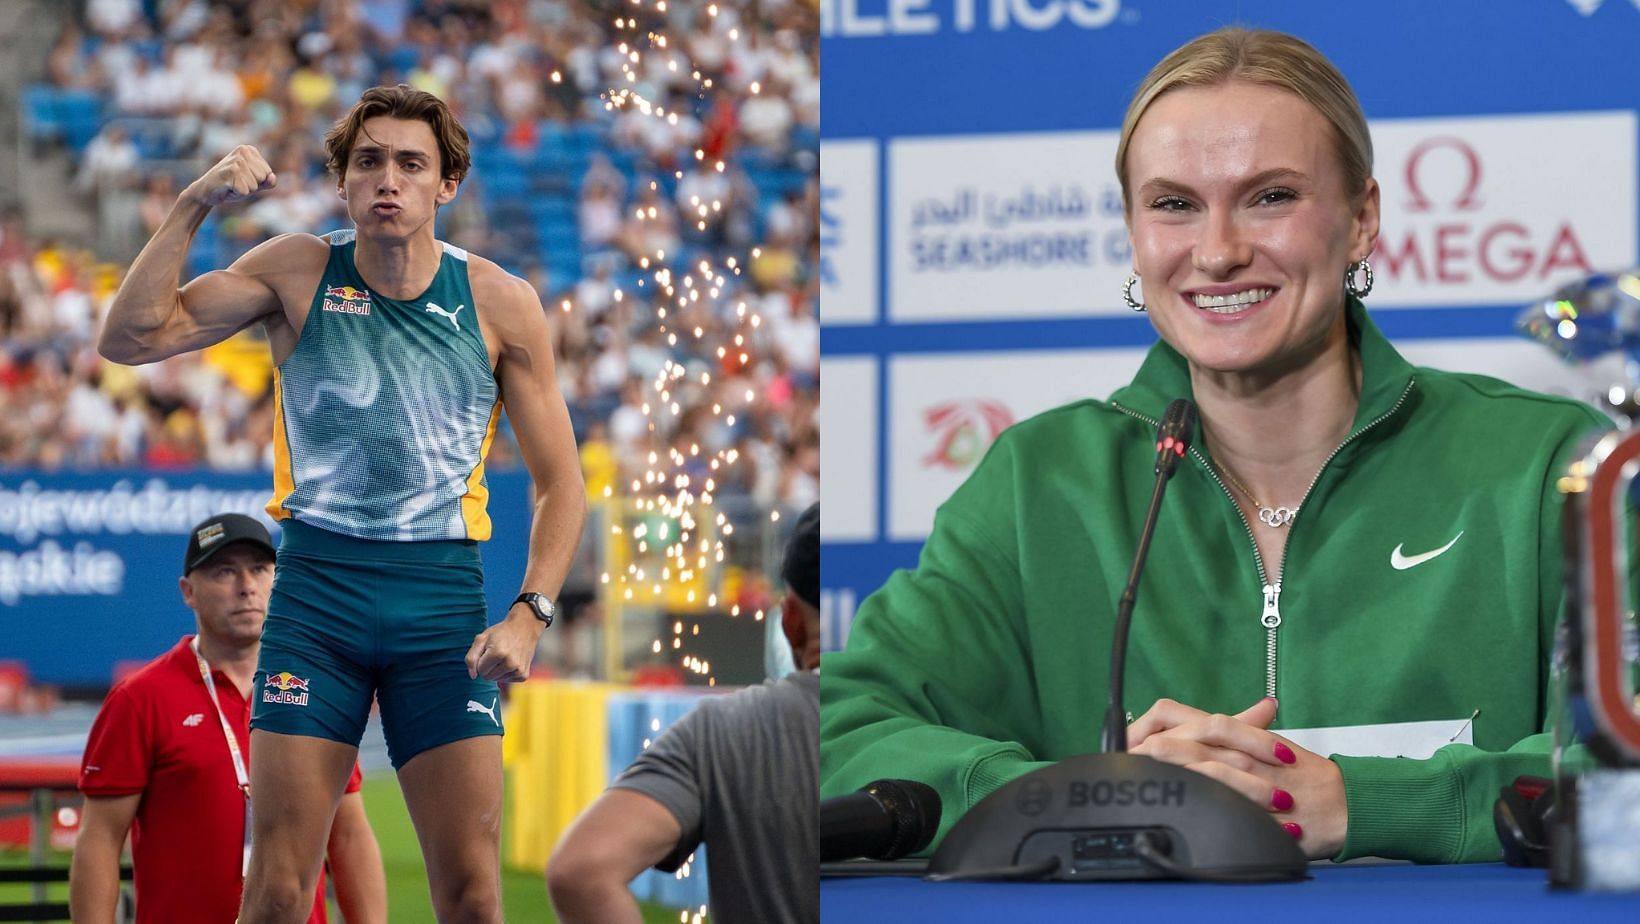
386,408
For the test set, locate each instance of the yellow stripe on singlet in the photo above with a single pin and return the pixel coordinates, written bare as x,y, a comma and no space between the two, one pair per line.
474,502
284,478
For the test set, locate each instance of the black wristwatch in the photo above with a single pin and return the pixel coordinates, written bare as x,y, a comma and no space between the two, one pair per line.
540,604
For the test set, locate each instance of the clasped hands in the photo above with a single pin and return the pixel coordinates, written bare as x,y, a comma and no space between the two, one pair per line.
1302,789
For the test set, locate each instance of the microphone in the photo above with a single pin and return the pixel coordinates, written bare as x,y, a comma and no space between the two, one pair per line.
1173,438
884,821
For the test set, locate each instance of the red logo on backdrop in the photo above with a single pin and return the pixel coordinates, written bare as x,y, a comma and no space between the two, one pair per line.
963,430
1465,248
1466,200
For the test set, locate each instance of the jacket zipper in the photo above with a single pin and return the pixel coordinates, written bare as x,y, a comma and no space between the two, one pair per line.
1270,605
1270,619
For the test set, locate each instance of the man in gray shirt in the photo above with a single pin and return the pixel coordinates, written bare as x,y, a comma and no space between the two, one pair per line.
739,773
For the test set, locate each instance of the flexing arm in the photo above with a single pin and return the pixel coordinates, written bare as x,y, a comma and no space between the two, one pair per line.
94,876
151,318
356,864
529,389
619,836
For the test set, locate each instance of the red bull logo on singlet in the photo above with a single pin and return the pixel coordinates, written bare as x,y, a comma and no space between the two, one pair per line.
347,300
286,688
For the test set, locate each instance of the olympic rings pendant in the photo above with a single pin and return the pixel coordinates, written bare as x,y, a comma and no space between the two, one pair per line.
1277,517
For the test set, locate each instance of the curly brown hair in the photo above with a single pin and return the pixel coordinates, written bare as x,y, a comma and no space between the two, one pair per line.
401,102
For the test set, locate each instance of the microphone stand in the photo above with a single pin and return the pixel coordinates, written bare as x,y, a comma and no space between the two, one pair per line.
1114,739
1173,437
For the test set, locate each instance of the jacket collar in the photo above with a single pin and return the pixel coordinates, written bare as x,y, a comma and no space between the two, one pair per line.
1385,374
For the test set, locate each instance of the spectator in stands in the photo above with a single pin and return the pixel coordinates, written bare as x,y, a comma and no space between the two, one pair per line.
158,192
628,428
708,46
790,324
599,470
595,291
67,65
109,163
600,210
722,776
778,263
800,481
111,18
166,760
133,88
651,226
766,117
14,245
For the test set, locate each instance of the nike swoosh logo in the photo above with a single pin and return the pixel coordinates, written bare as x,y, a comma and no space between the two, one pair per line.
1402,562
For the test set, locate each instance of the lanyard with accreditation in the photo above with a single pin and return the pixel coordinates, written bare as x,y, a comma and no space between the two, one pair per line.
233,749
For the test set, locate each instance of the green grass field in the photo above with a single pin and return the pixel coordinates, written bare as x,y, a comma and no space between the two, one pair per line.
11,893
524,894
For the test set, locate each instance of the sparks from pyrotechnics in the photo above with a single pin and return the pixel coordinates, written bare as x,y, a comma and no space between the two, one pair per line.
690,303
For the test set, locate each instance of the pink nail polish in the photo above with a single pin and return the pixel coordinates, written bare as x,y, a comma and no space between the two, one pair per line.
1281,800
1285,754
1292,827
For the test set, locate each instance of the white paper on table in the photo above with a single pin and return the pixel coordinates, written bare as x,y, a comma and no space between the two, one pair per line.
1394,739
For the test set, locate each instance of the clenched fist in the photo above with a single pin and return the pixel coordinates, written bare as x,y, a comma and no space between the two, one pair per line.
237,176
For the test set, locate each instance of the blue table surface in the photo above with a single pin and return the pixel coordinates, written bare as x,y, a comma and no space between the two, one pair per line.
1390,893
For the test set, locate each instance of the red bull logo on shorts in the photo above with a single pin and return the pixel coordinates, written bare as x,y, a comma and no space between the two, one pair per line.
286,688
347,300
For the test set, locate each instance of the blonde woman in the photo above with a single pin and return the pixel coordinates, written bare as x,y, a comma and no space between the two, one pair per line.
1358,554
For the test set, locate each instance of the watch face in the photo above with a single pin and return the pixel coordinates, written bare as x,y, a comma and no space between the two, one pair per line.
542,606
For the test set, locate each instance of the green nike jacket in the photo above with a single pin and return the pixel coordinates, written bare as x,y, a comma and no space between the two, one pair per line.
991,659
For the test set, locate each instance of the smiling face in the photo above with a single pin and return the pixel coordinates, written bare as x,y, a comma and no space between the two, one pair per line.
1242,227
392,184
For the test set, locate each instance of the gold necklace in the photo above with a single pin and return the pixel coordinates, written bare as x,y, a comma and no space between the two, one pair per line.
1273,517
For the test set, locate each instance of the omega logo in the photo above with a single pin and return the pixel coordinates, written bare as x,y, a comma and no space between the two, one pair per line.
1466,200
1445,239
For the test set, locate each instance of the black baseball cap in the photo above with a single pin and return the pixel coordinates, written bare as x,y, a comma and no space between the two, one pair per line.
801,568
219,532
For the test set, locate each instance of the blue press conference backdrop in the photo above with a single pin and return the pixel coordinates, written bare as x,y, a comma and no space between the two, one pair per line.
89,562
972,242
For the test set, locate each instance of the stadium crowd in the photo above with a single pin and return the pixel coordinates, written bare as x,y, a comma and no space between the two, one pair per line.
716,167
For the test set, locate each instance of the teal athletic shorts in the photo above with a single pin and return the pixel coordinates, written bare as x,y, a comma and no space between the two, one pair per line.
351,619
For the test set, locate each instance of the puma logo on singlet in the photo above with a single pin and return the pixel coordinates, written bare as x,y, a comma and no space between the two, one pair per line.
487,710
434,308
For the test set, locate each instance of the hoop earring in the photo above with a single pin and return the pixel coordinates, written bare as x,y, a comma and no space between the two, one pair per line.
1350,286
1127,293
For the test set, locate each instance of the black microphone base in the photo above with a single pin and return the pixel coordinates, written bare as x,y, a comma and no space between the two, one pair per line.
1117,817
